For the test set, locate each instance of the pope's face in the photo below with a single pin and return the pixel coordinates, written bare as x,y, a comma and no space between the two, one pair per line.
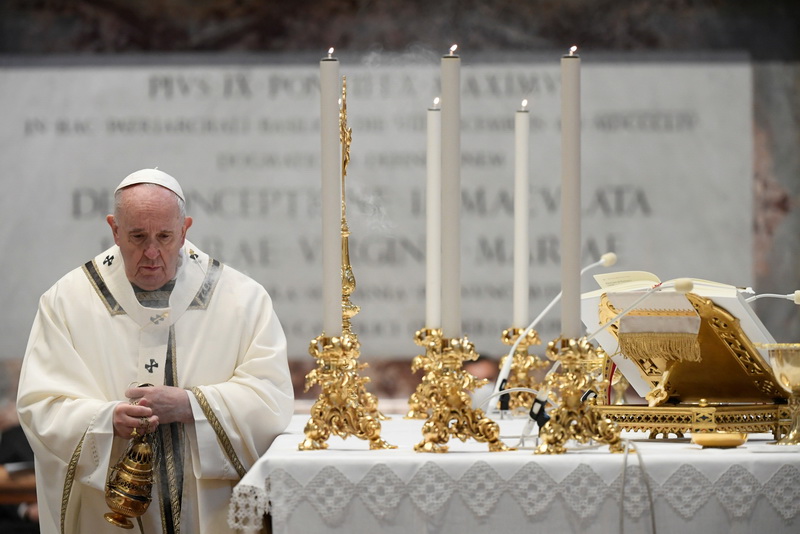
150,232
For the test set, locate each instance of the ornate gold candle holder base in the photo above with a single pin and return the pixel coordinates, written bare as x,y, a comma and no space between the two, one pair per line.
574,418
451,411
340,408
523,365
420,402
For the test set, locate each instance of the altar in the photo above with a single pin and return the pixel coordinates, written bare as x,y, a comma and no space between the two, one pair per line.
672,485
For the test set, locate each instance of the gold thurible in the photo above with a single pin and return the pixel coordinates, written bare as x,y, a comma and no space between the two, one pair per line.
129,485
344,406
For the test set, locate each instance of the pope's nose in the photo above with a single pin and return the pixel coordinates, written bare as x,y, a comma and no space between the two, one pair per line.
151,252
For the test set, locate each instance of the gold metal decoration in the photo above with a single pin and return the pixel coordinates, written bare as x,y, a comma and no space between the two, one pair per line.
574,418
452,414
523,365
129,485
731,388
349,310
785,359
338,409
619,384
730,367
420,405
701,417
344,406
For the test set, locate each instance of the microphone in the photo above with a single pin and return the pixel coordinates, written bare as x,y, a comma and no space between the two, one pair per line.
790,296
606,260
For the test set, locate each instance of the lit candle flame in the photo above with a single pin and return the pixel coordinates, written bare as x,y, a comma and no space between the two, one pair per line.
330,52
436,102
572,50
524,103
453,49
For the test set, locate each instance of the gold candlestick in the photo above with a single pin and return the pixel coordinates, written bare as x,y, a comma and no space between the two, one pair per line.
420,403
338,409
451,411
574,417
523,365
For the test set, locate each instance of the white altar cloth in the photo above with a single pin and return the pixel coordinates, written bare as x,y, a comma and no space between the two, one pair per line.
349,488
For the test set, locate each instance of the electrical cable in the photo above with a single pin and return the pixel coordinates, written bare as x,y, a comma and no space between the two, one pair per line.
651,503
795,297
606,260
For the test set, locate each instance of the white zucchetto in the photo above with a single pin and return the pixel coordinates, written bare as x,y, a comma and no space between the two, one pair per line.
152,176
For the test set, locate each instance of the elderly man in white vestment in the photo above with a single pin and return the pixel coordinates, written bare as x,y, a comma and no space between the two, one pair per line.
153,309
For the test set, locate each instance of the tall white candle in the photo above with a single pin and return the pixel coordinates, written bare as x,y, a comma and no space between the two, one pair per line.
570,194
522,126
330,162
451,194
433,253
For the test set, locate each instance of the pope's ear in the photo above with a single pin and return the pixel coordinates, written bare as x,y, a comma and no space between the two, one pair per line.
114,228
187,223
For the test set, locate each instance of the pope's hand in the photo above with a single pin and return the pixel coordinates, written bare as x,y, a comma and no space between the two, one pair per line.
169,404
130,417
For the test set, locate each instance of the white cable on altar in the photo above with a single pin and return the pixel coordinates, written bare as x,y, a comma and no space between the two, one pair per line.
790,296
628,446
606,260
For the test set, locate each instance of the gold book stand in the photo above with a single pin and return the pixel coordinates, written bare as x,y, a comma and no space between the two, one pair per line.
730,387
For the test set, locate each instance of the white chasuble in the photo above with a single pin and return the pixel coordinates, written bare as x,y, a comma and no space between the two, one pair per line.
218,338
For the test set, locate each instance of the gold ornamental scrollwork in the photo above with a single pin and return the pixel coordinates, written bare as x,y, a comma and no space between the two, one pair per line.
573,418
338,410
523,367
420,404
451,411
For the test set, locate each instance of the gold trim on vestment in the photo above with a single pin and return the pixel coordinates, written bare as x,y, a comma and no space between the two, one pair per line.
206,291
106,296
172,483
69,480
222,437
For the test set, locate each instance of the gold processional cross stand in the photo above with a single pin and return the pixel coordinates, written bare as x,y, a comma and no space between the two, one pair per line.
344,406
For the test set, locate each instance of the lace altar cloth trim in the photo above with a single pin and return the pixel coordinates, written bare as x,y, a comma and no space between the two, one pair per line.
583,492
